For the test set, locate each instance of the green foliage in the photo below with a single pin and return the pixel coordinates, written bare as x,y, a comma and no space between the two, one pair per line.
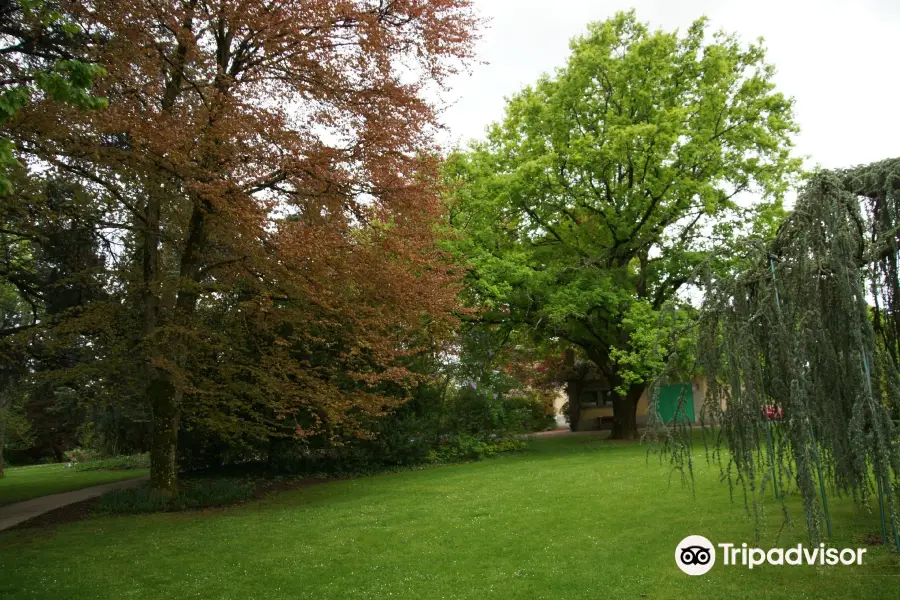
608,184
133,500
116,463
456,424
69,82
529,412
463,447
484,411
18,433
38,73
52,293
76,455
193,494
792,332
115,428
406,435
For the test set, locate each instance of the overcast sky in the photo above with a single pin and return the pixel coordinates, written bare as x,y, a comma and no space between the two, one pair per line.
838,58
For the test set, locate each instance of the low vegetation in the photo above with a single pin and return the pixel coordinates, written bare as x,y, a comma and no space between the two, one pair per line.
116,463
571,517
192,494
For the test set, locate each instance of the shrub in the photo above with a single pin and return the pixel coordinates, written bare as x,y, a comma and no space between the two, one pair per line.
140,499
193,494
116,463
405,436
468,447
77,455
529,412
218,491
438,423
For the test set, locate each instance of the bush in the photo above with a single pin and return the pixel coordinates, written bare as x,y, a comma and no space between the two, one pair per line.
400,438
77,455
140,499
193,494
434,426
529,412
116,463
468,447
218,491
406,435
438,423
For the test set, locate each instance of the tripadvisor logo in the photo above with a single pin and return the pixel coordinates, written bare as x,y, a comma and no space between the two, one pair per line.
696,555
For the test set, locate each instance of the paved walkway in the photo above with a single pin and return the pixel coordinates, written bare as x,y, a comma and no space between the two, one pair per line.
566,431
13,514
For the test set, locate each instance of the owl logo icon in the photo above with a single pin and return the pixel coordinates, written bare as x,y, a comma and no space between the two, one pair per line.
695,555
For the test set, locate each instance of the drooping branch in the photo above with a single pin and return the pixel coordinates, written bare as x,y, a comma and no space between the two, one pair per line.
801,367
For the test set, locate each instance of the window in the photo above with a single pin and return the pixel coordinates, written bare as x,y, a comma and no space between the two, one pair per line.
589,398
596,398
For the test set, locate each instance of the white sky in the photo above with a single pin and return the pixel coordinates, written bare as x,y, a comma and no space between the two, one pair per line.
838,58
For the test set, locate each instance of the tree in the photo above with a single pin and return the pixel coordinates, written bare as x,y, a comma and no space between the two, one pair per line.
225,117
589,206
799,348
39,62
50,273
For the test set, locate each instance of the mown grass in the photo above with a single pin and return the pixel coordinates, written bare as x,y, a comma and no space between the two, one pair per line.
25,483
571,517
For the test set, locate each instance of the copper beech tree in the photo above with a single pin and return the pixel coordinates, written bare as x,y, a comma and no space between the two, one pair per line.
271,161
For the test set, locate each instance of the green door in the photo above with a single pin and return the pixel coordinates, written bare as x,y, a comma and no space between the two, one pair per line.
669,397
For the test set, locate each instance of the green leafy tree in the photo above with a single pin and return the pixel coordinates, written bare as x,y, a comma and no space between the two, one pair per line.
38,62
50,279
591,204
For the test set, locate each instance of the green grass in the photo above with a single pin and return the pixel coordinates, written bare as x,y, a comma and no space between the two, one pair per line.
25,483
569,518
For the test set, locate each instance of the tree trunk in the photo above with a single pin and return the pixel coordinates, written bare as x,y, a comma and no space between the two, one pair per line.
573,391
58,454
164,397
3,417
624,407
625,413
164,405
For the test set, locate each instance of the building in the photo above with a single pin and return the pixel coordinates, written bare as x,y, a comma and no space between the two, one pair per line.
595,407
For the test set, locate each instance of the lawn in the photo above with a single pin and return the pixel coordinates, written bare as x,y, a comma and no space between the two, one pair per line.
571,517
24,483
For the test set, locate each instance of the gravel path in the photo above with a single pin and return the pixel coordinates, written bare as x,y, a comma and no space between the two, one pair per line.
13,514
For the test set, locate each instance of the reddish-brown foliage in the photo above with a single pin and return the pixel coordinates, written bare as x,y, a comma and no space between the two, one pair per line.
272,160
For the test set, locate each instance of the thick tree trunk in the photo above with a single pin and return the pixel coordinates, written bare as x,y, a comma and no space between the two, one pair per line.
573,391
625,413
164,403
162,395
624,407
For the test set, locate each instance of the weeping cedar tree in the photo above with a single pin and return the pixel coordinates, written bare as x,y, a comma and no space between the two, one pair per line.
589,205
800,348
223,117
